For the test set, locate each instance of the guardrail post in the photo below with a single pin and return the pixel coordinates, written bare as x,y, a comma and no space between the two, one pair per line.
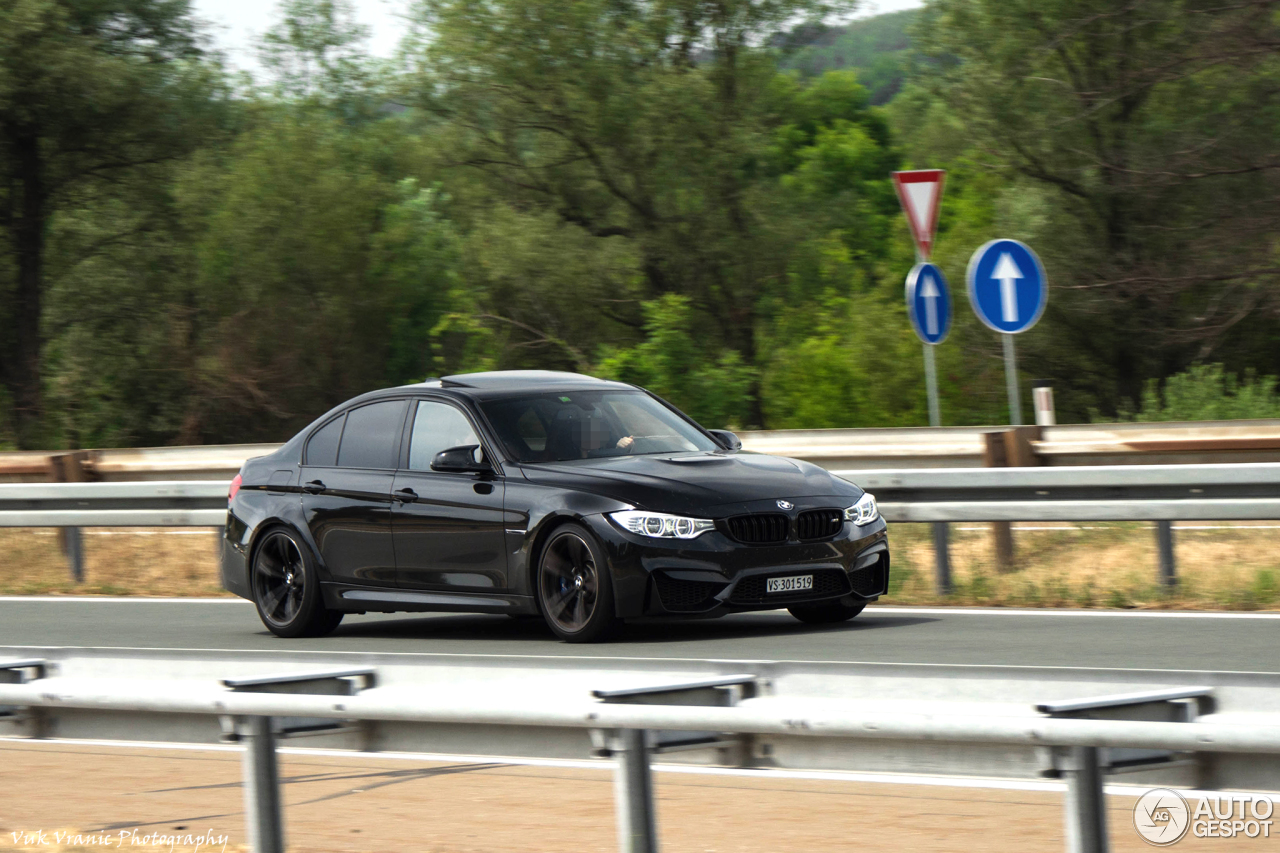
73,547
633,791
996,456
263,818
71,468
1085,766
1086,815
633,781
1164,546
942,557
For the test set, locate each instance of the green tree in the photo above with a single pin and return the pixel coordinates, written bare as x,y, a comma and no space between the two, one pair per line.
317,52
297,266
713,389
633,120
1206,392
1135,140
92,93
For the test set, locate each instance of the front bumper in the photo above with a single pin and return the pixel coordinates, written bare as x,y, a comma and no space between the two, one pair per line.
714,574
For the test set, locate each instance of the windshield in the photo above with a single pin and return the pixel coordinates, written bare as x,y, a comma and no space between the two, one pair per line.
555,427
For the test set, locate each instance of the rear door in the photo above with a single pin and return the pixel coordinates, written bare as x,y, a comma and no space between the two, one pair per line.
448,528
346,484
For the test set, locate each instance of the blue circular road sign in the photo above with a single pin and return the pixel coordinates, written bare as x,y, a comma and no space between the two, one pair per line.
1007,286
929,303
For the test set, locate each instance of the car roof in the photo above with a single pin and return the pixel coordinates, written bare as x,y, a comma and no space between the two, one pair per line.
497,383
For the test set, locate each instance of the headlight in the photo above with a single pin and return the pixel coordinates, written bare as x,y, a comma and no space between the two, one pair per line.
864,511
662,526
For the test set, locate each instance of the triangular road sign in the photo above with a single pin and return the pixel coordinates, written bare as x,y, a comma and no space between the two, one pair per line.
920,193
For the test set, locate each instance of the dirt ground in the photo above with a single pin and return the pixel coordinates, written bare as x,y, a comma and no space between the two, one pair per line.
1064,565
352,803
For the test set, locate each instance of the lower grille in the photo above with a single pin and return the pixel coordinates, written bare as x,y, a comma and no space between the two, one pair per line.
681,595
765,528
871,580
827,583
819,524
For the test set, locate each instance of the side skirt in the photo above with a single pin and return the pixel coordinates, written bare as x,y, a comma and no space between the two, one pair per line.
354,599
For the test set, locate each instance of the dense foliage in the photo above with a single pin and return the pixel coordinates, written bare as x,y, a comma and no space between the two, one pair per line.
692,196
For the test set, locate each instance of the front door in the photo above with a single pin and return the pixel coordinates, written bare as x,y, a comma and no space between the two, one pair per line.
346,481
448,528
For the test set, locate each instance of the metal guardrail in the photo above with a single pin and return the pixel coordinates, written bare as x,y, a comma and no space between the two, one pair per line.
1159,493
1166,720
1103,493
1096,493
909,447
141,504
1180,443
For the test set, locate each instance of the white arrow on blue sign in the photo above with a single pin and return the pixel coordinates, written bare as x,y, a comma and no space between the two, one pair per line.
929,303
1007,286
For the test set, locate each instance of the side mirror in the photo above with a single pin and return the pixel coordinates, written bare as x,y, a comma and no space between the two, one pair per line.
727,440
467,459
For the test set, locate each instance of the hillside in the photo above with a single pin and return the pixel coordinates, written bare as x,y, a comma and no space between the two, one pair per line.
875,47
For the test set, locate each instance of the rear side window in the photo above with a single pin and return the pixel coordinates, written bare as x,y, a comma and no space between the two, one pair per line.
322,449
372,436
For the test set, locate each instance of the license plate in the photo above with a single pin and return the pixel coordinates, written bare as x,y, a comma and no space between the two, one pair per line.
795,583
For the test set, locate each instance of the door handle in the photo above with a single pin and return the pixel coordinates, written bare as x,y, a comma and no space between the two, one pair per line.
406,495
314,487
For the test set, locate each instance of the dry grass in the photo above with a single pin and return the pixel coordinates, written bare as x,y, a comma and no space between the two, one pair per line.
117,562
1093,565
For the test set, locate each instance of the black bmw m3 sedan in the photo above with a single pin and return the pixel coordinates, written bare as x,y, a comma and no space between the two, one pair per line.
530,492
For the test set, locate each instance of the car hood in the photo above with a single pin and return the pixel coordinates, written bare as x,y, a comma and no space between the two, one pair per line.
693,483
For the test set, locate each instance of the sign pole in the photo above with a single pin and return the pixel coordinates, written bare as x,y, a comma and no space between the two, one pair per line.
929,307
930,371
941,530
1011,380
931,384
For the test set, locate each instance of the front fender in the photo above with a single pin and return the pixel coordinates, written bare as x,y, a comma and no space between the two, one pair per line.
541,510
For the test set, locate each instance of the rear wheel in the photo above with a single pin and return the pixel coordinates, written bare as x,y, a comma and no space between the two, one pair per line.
286,589
827,612
575,590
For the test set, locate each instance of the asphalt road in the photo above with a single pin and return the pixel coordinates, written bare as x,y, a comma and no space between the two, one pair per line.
1096,639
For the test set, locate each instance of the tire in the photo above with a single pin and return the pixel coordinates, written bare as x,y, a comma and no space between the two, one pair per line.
574,587
286,588
827,613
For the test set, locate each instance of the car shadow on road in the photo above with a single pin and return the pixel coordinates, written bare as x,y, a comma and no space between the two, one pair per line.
748,625
483,627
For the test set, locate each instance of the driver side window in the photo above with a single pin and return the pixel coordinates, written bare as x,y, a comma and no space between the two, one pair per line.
437,427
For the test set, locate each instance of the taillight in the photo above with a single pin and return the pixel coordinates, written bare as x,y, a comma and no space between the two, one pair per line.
235,487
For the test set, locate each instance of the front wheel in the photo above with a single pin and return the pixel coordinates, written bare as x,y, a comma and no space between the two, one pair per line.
575,590
828,612
286,589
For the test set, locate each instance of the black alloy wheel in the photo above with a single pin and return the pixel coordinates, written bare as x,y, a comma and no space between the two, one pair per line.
575,591
285,588
828,612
